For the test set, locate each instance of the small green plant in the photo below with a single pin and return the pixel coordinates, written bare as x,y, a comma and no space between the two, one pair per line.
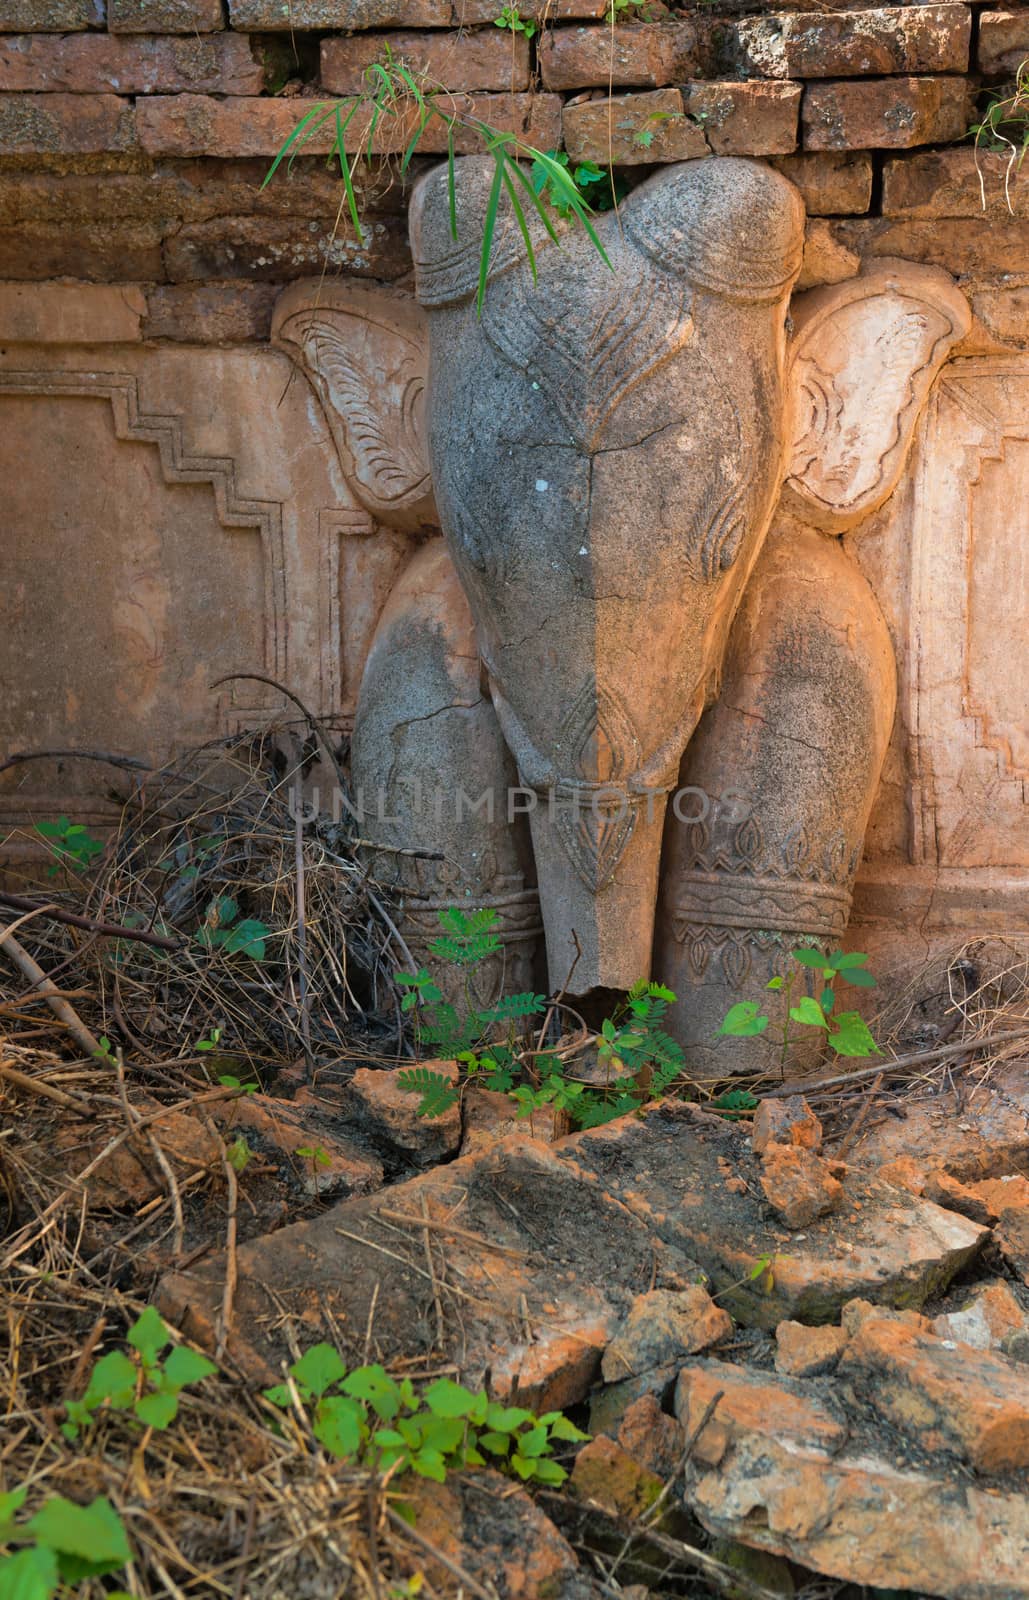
210,1041
392,93
63,1543
734,1104
643,137
317,1155
846,1031
106,1053
1004,130
510,18
221,930
70,844
493,1046
384,1424
143,1385
620,10
600,188
228,1081
239,1154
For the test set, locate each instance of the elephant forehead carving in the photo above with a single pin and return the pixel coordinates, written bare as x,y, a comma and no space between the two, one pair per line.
588,354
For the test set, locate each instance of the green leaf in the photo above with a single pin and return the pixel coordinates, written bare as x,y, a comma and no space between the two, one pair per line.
94,1532
448,1399
376,1386
846,963
11,1503
507,1419
858,977
743,1020
279,1395
808,1011
339,1424
809,958
549,1472
534,1442
498,1444
827,999
430,1464
488,230
774,983
157,1410
853,1037
183,1365
149,1335
318,1369
247,938
29,1575
438,1091
113,1379
561,1428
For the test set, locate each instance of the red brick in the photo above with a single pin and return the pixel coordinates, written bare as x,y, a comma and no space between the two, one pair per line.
1003,42
967,247
609,131
50,16
196,125
343,14
266,251
102,253
489,59
832,183
643,56
288,15
885,113
210,313
165,16
746,119
951,183
105,63
466,12
923,38
65,124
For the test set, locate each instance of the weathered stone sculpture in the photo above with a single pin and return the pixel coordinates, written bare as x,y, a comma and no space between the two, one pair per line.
606,449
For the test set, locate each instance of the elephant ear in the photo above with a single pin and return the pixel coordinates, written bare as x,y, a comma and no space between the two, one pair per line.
863,357
365,352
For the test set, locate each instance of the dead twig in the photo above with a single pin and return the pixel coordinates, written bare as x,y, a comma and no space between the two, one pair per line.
71,919
35,974
451,1228
922,1058
231,1264
429,1549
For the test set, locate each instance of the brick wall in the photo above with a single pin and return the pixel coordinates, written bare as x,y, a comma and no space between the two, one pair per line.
134,134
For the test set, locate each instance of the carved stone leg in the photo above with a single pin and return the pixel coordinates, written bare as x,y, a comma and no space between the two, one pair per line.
432,772
782,772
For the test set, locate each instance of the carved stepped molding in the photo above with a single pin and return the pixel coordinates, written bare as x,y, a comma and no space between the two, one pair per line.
179,465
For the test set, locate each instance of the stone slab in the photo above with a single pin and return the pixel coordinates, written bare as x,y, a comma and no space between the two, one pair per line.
832,183
65,124
632,130
643,56
165,16
199,125
885,113
952,183
887,39
1003,42
489,59
119,64
45,313
745,119
50,16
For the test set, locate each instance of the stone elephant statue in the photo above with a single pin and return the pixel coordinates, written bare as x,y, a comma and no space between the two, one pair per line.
638,694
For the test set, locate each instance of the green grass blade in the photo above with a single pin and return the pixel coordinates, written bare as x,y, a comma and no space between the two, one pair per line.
451,182
423,122
537,200
294,136
344,167
523,227
489,228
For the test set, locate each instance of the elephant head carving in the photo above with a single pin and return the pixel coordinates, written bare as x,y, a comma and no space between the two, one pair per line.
604,450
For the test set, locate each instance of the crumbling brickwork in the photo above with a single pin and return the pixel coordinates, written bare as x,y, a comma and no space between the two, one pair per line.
135,134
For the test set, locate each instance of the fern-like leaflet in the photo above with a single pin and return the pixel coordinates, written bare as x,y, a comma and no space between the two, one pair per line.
438,1092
